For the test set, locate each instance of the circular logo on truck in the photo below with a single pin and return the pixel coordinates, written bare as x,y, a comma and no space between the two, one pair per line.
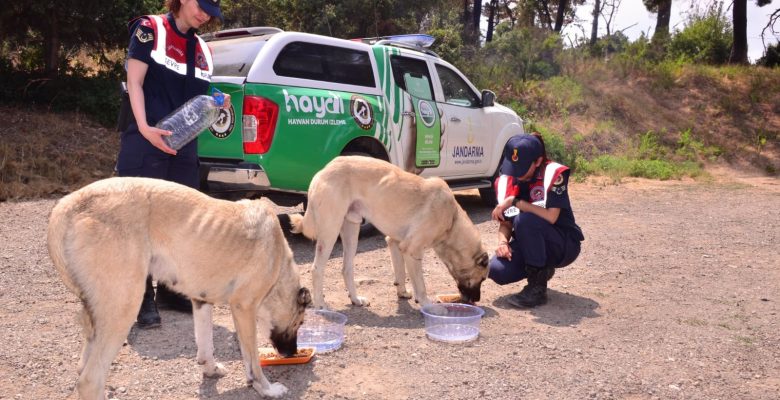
426,113
361,111
224,125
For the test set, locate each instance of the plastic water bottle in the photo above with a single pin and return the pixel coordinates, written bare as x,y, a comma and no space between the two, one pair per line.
192,118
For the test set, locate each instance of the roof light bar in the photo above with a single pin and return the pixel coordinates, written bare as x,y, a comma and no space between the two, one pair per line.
414,39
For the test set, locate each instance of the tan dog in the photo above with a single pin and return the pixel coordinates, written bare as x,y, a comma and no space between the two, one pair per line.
415,214
105,238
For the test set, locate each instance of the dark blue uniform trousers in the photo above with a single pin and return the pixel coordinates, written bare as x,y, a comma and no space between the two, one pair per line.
137,157
536,243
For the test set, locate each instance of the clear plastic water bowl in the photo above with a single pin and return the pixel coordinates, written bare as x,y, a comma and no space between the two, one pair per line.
322,329
452,322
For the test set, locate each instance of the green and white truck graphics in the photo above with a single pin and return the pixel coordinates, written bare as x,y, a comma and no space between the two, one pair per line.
300,100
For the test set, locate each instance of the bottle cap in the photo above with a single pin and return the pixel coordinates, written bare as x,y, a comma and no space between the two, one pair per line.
219,97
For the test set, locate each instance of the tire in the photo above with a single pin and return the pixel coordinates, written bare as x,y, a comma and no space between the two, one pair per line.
488,194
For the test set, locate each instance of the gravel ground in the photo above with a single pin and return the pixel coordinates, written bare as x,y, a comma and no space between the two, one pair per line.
675,296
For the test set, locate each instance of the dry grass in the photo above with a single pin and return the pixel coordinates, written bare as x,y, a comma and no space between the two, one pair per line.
735,109
44,154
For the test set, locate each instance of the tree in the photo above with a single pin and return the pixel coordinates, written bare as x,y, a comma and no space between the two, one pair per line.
595,24
560,12
770,26
564,11
58,27
739,47
664,10
492,14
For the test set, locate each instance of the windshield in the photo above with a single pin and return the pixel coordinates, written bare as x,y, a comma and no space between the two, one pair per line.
234,57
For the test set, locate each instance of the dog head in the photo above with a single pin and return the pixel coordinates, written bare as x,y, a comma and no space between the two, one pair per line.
286,321
285,305
465,257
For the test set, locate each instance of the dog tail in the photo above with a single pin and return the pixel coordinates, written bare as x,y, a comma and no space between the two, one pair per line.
56,238
301,224
59,225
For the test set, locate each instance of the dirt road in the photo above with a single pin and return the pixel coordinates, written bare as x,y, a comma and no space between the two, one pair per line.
675,296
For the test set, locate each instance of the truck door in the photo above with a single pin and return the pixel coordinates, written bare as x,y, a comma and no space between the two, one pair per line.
419,135
470,134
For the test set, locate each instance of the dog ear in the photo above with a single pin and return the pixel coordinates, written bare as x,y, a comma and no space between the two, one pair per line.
482,260
304,297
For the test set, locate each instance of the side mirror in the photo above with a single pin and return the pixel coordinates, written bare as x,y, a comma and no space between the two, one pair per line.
488,98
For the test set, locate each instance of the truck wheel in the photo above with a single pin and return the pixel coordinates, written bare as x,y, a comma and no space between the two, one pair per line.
488,194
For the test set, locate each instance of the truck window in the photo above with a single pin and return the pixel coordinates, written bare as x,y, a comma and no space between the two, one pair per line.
234,57
413,67
325,63
456,90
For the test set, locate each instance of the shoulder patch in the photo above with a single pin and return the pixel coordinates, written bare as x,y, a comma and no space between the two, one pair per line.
558,180
142,36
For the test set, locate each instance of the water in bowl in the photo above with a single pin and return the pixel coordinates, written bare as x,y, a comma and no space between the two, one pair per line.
453,332
323,340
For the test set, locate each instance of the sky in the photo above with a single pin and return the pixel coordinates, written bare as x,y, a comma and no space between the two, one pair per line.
635,19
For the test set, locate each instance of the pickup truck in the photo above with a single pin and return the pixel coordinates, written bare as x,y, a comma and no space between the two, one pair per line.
299,100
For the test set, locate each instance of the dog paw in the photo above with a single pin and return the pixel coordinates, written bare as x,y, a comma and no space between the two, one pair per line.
360,301
404,294
273,390
217,370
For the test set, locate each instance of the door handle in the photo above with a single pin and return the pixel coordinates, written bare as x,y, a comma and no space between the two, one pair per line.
409,114
455,119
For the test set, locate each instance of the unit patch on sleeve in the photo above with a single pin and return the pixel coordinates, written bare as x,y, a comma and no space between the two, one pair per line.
142,36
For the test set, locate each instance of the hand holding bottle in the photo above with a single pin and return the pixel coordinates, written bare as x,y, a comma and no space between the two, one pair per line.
193,117
225,101
155,136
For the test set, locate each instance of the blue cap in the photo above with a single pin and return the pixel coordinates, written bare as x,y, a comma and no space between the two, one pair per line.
219,97
211,7
520,152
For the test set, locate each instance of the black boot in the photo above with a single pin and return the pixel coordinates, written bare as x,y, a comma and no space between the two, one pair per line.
535,292
168,299
148,317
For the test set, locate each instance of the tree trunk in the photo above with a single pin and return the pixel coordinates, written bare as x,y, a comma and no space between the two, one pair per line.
466,20
526,13
739,48
477,16
594,31
544,12
491,22
661,33
559,15
51,45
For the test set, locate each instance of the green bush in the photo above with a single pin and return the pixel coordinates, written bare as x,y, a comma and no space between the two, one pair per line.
617,167
555,145
566,92
665,73
96,96
649,147
771,58
609,44
706,38
653,169
529,53
691,149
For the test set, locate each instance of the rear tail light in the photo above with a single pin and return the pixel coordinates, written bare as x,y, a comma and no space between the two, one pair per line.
259,124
